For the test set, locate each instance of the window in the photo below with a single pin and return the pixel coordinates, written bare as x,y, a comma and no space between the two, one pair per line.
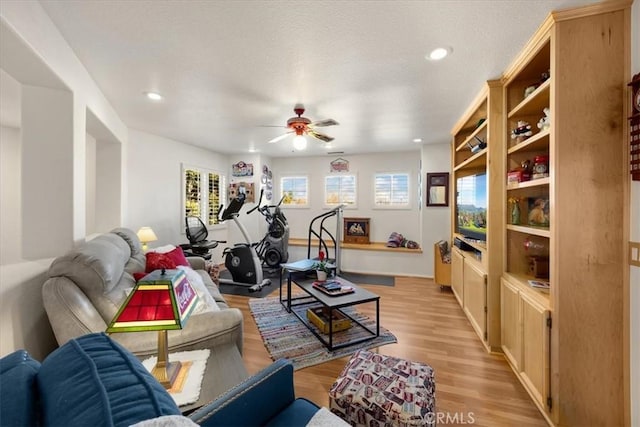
391,190
203,193
295,190
340,189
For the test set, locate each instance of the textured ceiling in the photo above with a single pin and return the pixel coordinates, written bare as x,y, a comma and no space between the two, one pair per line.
227,68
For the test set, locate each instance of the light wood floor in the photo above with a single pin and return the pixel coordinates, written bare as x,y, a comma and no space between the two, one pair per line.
431,328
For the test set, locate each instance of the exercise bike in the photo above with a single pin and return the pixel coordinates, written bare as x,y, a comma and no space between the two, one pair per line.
273,249
242,260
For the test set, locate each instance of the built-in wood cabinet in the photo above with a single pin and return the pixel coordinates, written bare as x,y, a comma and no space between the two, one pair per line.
457,275
525,339
575,66
565,223
475,273
475,295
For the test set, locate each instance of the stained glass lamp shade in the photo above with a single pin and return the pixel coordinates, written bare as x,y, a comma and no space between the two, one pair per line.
163,300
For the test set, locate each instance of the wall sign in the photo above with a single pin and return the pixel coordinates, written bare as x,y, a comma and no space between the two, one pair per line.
438,189
339,165
242,169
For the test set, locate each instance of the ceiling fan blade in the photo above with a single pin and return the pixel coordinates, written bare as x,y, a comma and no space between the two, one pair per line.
279,138
320,136
326,122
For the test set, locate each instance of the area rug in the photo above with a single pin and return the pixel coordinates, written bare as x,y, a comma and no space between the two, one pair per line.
186,389
368,279
244,290
285,336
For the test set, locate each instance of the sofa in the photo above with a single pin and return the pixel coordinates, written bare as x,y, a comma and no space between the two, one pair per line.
87,285
94,381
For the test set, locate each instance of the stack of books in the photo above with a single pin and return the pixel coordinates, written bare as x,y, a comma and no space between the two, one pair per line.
333,287
539,284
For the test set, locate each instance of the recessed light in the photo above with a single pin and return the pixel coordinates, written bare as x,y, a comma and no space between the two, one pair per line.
416,140
153,95
439,53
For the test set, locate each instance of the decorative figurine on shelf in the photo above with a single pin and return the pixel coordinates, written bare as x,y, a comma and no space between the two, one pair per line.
515,210
545,122
529,90
545,76
539,212
522,131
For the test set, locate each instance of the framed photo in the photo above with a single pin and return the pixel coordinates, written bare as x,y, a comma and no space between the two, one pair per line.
438,189
356,230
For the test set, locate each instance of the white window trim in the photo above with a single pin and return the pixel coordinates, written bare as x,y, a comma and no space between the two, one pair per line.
324,191
395,207
281,193
204,190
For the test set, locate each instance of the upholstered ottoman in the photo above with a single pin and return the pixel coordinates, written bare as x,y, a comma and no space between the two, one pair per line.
377,390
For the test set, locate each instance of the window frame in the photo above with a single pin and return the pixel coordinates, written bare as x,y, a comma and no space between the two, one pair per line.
204,194
393,206
345,205
307,191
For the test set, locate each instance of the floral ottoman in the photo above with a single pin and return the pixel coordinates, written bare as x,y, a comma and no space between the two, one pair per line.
377,390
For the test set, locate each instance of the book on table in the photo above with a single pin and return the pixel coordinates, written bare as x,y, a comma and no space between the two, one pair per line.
332,287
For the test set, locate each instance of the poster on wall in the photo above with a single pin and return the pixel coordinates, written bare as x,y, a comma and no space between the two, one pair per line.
242,169
246,188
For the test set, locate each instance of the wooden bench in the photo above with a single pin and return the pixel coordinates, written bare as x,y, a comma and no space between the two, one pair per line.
373,246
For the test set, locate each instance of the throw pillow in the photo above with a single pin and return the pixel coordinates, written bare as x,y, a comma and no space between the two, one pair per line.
177,255
205,299
156,261
163,249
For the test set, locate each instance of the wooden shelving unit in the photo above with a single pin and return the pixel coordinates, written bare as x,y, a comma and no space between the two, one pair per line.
555,340
475,275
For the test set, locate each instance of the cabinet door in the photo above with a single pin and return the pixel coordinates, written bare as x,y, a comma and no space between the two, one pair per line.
457,276
511,328
535,349
475,297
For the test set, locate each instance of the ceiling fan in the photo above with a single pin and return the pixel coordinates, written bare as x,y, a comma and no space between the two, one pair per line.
301,125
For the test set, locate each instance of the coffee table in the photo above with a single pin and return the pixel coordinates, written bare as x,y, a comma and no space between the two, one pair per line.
331,303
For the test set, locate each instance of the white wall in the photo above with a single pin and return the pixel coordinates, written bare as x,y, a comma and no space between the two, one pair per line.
154,199
10,200
90,183
29,37
634,314
436,221
408,222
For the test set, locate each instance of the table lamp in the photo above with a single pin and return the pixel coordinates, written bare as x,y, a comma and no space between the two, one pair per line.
161,301
146,235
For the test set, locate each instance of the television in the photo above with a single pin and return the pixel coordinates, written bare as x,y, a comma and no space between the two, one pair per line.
471,206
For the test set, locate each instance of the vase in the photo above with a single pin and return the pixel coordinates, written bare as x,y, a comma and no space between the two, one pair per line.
322,275
515,214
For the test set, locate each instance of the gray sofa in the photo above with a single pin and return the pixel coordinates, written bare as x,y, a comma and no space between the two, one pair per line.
87,285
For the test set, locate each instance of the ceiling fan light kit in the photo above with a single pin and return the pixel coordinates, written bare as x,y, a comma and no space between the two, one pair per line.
303,126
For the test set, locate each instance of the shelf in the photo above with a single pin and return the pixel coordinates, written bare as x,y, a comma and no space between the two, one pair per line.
538,142
475,161
529,184
476,244
471,137
521,281
534,103
530,229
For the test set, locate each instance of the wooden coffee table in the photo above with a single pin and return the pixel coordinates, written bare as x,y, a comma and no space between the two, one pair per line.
330,303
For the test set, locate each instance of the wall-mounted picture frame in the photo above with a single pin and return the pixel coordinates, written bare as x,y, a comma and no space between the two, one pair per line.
356,230
438,189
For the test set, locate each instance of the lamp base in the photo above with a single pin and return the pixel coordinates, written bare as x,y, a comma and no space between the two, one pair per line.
166,373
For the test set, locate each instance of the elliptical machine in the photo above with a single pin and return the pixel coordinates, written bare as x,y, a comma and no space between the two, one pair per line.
273,249
241,260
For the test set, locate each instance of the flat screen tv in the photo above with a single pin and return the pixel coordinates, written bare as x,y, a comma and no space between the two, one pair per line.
471,206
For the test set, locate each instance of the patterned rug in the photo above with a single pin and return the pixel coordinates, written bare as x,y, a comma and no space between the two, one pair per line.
285,336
